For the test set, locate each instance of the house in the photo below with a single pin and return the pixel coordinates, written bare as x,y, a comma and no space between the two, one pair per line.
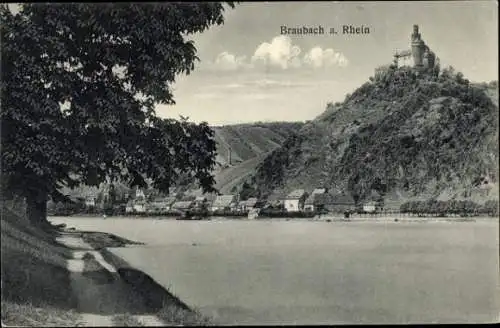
129,208
183,205
89,195
139,194
139,206
247,205
313,203
370,206
295,200
90,201
241,206
275,200
135,207
200,201
318,191
309,204
224,202
374,202
261,203
151,194
160,204
340,203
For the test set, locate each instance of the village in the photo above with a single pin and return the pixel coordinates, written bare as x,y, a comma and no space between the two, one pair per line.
298,203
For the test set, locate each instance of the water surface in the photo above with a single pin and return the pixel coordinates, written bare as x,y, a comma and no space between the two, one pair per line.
306,272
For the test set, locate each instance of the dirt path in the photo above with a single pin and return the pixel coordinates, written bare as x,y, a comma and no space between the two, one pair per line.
101,293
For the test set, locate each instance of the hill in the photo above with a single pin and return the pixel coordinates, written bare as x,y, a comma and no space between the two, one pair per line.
247,141
402,134
228,179
241,148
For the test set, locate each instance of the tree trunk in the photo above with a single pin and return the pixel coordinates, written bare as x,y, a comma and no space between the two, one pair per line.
36,208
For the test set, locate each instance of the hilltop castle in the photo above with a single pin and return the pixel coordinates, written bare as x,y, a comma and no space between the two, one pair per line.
423,57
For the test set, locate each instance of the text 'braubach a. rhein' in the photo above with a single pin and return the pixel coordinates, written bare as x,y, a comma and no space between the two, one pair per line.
321,30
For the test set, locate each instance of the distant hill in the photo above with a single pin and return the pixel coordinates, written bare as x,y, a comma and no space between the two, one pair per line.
248,145
228,179
247,141
402,135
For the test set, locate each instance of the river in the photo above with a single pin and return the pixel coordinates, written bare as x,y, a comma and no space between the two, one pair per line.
307,272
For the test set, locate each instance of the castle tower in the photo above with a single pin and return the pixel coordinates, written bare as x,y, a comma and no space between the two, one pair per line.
425,58
429,58
417,47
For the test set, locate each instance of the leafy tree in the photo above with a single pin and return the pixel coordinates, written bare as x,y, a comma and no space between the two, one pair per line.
491,207
404,208
112,194
79,87
100,198
247,191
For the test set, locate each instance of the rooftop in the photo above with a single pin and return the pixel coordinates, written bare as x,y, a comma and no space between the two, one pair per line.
182,204
296,194
168,200
310,199
249,202
223,200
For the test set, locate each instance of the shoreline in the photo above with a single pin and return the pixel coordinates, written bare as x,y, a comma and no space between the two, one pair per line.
339,218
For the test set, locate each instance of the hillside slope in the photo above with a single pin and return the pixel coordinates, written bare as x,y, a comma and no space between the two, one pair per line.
231,177
403,135
248,144
247,141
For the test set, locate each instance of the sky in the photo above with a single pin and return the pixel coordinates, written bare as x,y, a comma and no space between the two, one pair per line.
249,71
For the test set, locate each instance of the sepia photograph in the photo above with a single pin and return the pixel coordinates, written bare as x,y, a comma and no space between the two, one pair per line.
249,163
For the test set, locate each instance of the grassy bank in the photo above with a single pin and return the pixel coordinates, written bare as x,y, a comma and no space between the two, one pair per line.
35,281
38,289
159,301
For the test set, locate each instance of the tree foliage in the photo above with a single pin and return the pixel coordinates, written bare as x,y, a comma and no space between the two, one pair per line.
79,87
454,207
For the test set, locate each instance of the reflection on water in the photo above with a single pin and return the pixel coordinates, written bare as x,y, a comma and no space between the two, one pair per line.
258,272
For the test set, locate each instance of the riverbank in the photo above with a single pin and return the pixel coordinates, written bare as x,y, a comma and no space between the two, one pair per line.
35,280
58,277
322,218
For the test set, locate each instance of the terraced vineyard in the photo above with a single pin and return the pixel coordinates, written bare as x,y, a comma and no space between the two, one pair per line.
247,141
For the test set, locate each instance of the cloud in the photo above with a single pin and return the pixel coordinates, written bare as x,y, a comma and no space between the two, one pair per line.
208,95
233,86
256,96
254,84
266,84
229,62
318,58
280,52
